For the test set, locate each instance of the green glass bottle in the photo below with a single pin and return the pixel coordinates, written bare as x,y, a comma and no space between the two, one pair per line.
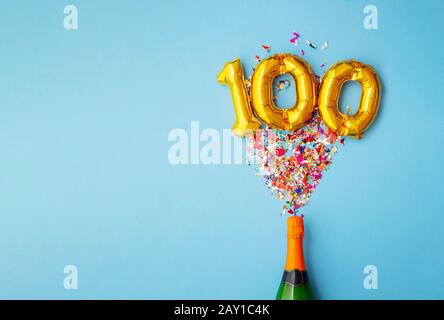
294,284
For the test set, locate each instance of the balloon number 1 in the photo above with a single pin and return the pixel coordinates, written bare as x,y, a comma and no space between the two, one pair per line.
249,105
233,76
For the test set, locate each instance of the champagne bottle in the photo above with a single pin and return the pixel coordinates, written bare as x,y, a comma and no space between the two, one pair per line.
294,284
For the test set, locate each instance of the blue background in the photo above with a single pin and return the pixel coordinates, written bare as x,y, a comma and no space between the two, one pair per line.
84,171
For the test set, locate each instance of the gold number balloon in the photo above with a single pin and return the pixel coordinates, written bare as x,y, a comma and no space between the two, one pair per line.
334,79
261,99
262,91
233,76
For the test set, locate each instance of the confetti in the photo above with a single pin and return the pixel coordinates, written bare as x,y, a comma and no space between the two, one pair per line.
266,47
311,44
282,84
293,162
295,38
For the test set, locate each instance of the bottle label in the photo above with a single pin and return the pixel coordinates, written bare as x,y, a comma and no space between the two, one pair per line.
295,277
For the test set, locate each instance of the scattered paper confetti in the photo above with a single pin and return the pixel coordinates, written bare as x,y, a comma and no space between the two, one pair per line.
295,38
266,47
293,162
311,44
283,84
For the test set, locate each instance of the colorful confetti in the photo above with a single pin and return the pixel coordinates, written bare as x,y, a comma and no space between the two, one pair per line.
266,47
283,84
293,162
295,38
311,44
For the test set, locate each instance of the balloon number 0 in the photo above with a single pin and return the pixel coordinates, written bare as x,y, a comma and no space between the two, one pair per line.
249,105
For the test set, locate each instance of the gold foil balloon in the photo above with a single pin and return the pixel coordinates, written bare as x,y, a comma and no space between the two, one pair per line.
233,76
260,98
334,79
262,91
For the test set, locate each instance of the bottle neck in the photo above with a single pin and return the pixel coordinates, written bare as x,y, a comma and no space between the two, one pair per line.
295,250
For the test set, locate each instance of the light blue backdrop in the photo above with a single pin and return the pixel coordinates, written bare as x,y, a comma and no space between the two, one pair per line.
85,177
